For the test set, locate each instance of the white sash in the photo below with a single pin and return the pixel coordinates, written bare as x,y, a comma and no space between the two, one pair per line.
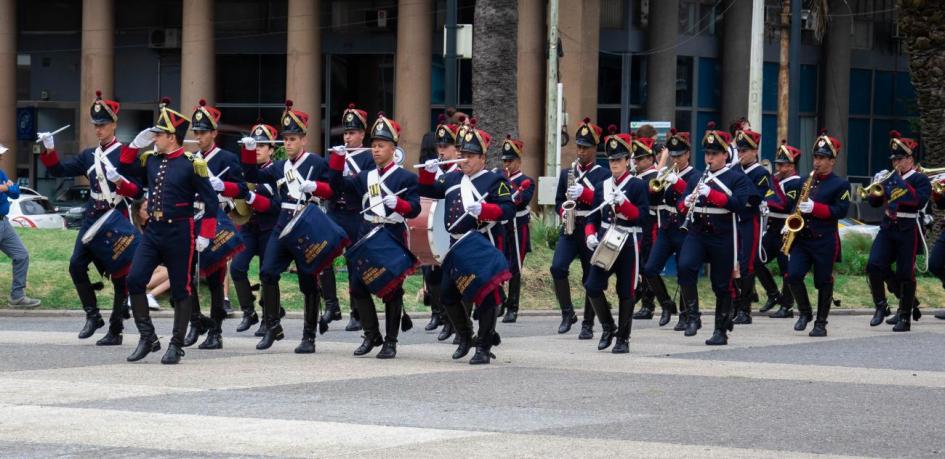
100,163
213,151
581,178
376,190
714,177
293,177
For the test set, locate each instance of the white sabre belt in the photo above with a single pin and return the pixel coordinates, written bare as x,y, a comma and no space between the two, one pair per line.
376,191
292,177
99,165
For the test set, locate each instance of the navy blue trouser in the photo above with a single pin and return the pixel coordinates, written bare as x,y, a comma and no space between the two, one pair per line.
254,242
895,244
716,248
624,268
819,254
170,244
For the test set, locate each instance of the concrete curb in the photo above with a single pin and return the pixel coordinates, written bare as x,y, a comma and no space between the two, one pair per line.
166,313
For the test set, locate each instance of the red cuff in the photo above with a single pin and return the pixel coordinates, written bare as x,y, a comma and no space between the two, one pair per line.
261,204
230,190
629,210
50,159
717,198
126,188
128,155
490,212
208,227
336,162
821,211
587,196
680,186
248,156
426,178
402,207
323,190
681,207
590,229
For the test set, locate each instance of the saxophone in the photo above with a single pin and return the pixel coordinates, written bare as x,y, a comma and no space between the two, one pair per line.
568,207
795,222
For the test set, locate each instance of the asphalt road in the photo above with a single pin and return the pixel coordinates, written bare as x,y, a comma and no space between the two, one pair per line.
771,393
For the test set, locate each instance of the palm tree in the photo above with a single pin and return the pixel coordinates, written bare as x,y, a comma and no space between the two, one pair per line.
922,26
494,71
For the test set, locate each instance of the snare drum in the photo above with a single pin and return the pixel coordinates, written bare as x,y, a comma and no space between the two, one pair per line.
226,243
381,260
475,266
429,240
112,239
610,246
313,239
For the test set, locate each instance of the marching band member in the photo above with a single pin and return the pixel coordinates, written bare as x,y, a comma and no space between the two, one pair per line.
644,157
226,177
669,237
710,206
817,246
388,194
447,145
905,193
173,178
577,183
749,224
937,255
108,190
786,187
476,200
518,240
628,209
264,203
298,178
344,209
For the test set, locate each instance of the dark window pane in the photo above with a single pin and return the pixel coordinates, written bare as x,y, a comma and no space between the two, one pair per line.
860,94
683,122
769,141
702,119
879,153
611,14
808,93
608,78
769,87
709,89
637,80
438,80
605,118
684,81
465,81
905,96
883,93
857,147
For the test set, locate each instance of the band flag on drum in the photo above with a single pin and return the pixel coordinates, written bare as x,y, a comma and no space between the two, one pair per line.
112,239
381,261
313,239
226,243
475,266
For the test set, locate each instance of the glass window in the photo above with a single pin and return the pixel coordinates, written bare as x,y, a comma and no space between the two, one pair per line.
684,70
250,78
808,95
883,95
906,104
638,80
611,14
769,138
702,119
465,81
769,87
36,207
858,144
683,122
709,89
606,117
438,80
609,78
879,153
860,93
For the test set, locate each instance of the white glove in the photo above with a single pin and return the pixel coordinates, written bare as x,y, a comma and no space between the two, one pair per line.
617,198
216,183
251,197
47,140
672,178
143,139
112,174
574,191
703,190
339,150
880,175
474,209
249,143
431,165
592,242
308,186
806,207
201,244
390,201
784,230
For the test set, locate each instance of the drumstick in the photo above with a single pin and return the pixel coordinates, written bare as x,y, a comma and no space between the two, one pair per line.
381,202
221,172
461,217
190,140
440,163
263,141
56,132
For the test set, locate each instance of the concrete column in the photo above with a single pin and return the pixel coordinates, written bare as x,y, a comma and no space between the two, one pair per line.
531,87
662,34
412,73
837,80
8,86
304,66
98,63
580,37
197,78
736,46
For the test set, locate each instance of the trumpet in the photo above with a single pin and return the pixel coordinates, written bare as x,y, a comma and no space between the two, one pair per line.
659,184
875,189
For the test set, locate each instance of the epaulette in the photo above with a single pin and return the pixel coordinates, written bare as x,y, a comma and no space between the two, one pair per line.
144,157
200,165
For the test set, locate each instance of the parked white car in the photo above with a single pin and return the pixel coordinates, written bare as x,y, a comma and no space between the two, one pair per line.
33,210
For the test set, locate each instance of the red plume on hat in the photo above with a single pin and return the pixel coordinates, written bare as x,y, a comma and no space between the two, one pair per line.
165,101
612,129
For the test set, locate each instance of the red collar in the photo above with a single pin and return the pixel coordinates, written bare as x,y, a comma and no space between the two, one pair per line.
622,177
109,143
386,168
824,176
266,164
175,153
583,168
512,174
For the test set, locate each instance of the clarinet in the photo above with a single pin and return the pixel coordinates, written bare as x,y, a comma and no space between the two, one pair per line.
691,204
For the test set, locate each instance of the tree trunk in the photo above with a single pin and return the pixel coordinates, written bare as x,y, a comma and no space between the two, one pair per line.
922,25
783,73
494,73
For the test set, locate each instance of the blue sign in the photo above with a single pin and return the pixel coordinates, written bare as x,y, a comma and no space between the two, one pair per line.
26,123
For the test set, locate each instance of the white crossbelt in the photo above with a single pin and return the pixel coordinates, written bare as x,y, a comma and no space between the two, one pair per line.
629,229
902,215
522,213
101,197
377,219
777,215
711,210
